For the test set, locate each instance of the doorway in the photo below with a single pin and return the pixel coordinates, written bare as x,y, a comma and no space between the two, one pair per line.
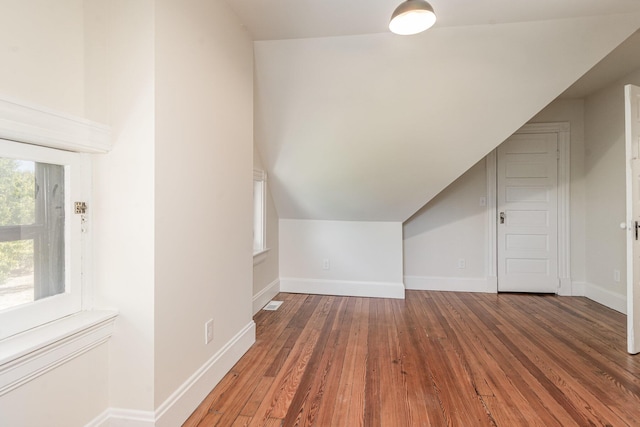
528,216
528,213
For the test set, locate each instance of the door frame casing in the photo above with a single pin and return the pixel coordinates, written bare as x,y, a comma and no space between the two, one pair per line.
563,130
631,157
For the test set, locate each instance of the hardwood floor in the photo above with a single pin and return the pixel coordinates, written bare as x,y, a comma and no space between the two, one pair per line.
433,359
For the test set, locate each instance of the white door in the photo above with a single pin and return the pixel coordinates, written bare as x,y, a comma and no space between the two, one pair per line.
527,213
632,120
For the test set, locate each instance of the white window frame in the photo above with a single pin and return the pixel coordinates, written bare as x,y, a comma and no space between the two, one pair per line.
27,316
259,216
40,134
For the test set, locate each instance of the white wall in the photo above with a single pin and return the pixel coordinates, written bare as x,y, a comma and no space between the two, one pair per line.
42,53
364,258
70,395
123,203
172,205
369,128
266,282
605,193
203,191
453,225
597,206
347,134
450,228
42,56
572,111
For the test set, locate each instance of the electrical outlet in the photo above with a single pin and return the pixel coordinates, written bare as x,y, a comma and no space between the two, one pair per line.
208,331
326,265
616,276
462,263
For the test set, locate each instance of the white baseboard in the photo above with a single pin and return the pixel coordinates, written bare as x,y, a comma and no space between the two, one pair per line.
567,288
454,284
263,297
342,287
113,417
492,285
599,294
577,289
177,408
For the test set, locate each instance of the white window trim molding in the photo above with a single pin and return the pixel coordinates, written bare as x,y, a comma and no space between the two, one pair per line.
42,126
260,256
563,129
25,356
259,175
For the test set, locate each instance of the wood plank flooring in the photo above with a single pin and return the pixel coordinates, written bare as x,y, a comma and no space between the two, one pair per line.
433,359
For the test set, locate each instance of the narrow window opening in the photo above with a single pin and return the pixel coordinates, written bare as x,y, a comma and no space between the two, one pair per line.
259,211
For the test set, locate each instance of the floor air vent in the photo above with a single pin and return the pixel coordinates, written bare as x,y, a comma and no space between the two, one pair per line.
273,305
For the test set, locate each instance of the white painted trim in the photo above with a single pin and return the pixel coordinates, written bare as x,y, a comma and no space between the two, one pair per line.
182,402
114,417
260,211
37,125
259,175
567,288
551,127
26,356
101,420
176,408
631,169
577,289
342,287
491,259
453,284
492,284
260,256
263,297
563,129
601,295
564,211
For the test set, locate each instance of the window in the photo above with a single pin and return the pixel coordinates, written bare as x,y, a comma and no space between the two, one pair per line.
40,236
259,211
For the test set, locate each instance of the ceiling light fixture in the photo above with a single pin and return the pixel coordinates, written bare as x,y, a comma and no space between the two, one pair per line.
412,17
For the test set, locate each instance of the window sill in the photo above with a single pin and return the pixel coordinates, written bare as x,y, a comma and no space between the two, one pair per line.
260,256
30,354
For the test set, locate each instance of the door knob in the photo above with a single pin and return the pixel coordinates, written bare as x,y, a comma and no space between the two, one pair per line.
502,217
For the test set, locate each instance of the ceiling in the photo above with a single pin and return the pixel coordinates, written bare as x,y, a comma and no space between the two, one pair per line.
620,62
295,19
354,123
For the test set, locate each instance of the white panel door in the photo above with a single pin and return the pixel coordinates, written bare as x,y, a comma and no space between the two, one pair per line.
527,213
632,120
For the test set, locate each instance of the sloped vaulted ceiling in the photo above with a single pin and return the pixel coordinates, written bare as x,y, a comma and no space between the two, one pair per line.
371,127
